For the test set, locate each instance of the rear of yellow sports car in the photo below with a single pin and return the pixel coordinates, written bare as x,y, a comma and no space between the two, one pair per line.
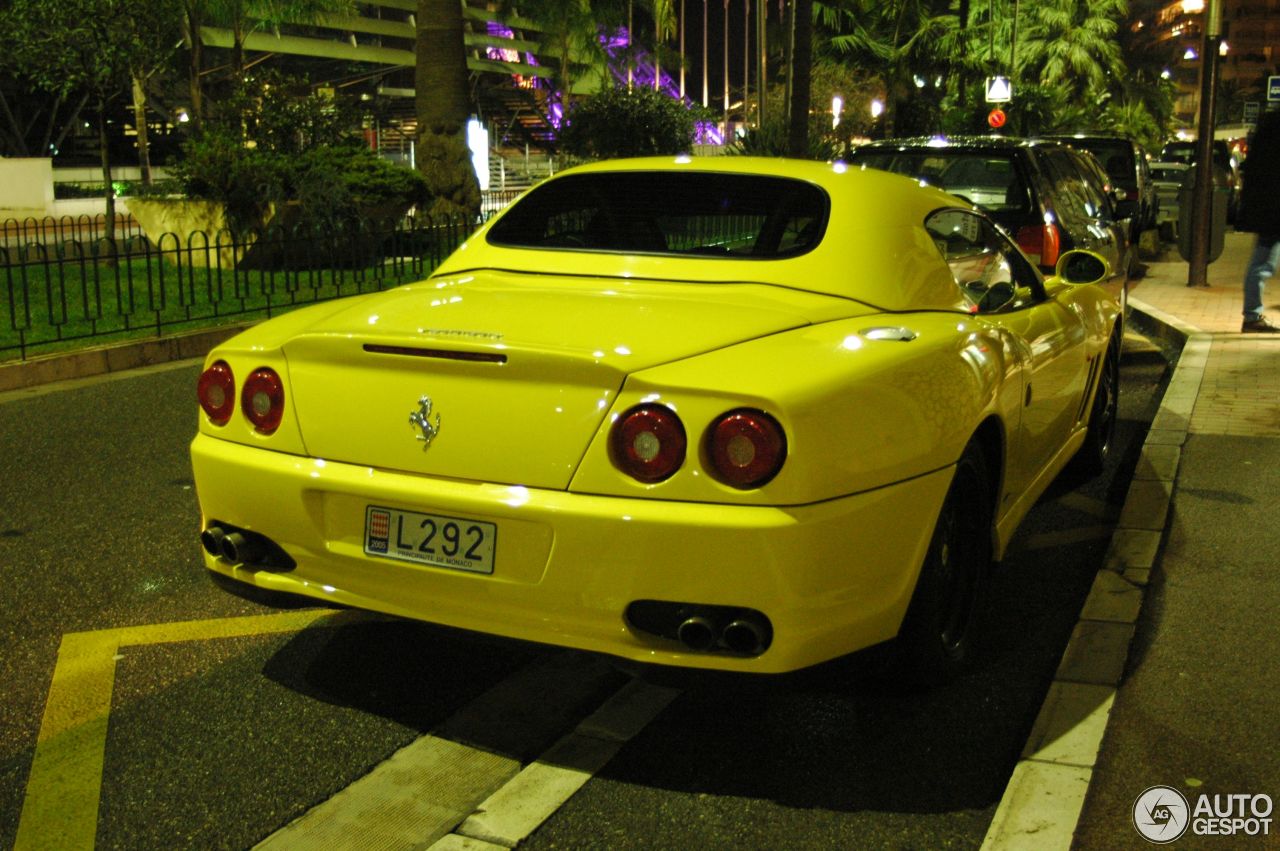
677,462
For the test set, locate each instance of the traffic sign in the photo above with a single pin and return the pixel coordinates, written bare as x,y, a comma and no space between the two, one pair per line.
996,118
1000,90
1273,89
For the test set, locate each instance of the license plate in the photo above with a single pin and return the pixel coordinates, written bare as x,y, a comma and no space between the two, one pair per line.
453,542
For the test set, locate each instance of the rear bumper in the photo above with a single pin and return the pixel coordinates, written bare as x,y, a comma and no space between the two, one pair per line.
832,577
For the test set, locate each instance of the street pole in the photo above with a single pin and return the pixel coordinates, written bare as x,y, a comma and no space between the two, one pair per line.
1202,192
725,48
705,27
746,58
682,62
762,62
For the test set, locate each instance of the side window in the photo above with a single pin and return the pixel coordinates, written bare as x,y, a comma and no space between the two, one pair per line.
1072,203
991,273
1095,185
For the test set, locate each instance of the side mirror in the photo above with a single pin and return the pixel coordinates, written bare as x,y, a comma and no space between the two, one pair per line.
1126,209
1082,267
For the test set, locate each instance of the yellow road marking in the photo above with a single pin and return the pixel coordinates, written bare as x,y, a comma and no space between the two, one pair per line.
60,809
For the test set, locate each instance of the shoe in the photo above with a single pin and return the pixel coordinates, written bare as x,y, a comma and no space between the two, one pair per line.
1261,325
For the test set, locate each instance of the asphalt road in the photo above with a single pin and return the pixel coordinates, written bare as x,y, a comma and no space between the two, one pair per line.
203,731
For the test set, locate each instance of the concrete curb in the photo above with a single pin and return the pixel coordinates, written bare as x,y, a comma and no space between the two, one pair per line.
86,363
1042,804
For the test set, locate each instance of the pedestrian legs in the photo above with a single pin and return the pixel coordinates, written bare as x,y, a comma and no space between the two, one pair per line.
1262,265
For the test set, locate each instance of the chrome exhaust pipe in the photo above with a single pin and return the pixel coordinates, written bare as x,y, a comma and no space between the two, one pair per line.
697,633
744,635
239,548
211,539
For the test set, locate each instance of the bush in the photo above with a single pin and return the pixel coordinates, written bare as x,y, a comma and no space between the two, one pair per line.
621,123
277,147
770,140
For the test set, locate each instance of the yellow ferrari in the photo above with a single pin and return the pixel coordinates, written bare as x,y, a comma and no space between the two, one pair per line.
727,413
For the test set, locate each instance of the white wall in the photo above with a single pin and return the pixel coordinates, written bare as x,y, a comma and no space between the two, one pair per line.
26,186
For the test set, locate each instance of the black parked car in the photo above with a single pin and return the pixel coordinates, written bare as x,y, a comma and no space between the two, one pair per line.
1049,196
1126,163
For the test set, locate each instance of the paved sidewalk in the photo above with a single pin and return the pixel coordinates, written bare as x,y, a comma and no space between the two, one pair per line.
1171,677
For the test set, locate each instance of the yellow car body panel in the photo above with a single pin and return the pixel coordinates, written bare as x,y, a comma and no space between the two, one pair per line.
486,396
568,563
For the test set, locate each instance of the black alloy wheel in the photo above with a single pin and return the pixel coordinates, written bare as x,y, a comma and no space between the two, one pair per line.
938,633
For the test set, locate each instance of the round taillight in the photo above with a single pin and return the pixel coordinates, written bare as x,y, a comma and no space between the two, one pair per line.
216,391
745,448
262,399
648,443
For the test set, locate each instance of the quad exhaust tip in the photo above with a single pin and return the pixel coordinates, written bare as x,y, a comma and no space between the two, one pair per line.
697,633
239,546
703,628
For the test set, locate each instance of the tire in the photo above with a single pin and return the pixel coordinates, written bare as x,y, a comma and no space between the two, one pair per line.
1099,440
936,642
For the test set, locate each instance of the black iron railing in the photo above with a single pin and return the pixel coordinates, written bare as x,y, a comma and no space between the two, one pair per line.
66,284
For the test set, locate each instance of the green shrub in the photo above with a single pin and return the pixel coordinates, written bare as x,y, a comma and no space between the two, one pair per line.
270,145
771,140
621,123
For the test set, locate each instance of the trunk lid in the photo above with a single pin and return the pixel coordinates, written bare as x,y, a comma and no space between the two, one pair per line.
512,375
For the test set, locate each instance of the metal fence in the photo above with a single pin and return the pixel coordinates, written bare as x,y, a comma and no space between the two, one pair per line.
66,283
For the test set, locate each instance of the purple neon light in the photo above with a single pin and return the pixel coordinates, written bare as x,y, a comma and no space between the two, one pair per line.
642,74
616,44
503,54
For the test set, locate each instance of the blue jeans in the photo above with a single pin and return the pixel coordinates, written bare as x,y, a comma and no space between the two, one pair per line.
1262,265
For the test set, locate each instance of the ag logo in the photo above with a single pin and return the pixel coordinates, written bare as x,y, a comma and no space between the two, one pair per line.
1161,814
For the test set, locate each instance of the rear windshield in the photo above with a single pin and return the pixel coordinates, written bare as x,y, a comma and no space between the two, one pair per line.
1166,173
1186,152
658,212
989,180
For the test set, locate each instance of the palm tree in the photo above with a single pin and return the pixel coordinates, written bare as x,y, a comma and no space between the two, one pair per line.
443,106
901,40
664,27
1071,45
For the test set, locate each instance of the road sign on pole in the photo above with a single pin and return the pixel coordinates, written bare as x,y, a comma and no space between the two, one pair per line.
1273,89
1000,90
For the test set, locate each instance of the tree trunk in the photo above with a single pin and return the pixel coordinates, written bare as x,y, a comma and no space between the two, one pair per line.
73,119
109,193
140,124
800,78
237,50
19,138
443,106
196,66
565,78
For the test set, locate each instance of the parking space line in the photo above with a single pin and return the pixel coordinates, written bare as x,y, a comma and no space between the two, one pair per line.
424,790
60,809
512,813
